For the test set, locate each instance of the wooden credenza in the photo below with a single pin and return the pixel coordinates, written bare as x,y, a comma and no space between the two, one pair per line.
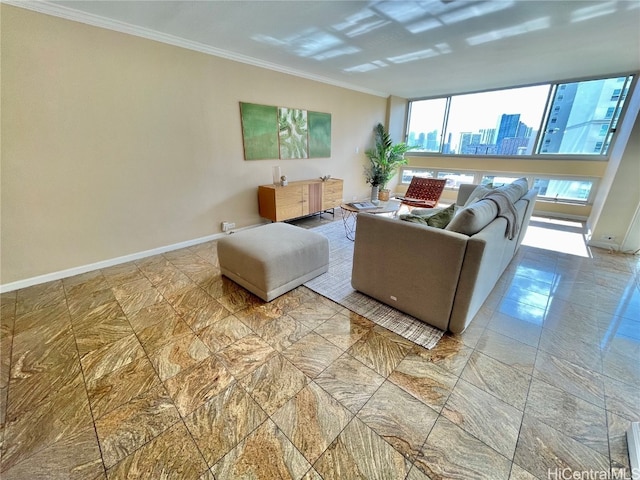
299,199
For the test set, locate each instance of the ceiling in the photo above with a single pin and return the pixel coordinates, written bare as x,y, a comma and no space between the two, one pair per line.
410,49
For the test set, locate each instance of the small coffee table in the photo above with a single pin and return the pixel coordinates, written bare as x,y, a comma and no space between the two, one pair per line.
350,213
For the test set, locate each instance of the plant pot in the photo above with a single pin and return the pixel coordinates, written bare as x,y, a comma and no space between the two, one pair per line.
383,195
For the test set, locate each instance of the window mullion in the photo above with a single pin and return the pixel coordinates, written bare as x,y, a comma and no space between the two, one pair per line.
612,129
445,121
544,124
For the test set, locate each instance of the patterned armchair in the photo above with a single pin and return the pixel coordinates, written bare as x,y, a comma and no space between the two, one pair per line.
423,192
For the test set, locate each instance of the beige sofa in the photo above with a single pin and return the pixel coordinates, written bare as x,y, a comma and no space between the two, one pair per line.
441,276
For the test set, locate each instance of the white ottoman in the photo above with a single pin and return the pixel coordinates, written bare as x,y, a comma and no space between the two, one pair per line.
272,259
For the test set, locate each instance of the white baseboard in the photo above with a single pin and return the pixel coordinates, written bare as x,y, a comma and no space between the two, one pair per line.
70,272
605,245
633,442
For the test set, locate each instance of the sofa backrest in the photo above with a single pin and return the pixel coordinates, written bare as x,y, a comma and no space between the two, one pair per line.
409,266
478,214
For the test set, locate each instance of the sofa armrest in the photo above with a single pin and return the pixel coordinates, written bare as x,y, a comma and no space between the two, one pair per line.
411,267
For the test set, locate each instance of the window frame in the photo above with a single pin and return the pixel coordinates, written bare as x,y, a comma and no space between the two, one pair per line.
548,112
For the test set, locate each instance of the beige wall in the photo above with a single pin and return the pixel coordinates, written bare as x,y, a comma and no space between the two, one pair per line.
114,145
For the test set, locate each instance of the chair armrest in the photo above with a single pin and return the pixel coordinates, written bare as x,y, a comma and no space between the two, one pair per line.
416,202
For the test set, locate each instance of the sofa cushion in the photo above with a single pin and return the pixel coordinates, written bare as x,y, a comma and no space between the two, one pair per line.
410,217
470,220
479,192
440,218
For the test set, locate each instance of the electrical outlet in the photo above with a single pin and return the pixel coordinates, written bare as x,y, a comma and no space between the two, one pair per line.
228,226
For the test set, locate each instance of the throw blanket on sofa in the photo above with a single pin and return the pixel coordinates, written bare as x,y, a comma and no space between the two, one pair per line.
506,210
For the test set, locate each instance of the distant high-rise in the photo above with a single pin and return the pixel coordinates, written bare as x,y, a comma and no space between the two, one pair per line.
514,146
582,126
465,139
508,127
432,141
446,148
524,131
488,135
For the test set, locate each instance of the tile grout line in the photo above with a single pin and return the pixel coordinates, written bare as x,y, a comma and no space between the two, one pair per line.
84,382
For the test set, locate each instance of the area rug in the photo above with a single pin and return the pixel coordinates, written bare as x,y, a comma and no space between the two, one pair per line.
336,286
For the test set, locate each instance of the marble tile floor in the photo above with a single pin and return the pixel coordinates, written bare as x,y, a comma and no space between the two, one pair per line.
161,368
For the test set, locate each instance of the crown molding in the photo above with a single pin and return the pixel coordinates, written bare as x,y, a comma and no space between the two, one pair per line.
67,13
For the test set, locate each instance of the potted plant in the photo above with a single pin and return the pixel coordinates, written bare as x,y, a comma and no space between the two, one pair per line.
384,160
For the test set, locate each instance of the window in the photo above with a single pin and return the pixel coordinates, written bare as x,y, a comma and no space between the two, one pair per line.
500,123
427,134
579,191
571,191
408,173
497,180
454,178
579,116
587,118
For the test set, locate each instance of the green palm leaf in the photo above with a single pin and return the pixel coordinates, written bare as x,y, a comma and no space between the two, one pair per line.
385,158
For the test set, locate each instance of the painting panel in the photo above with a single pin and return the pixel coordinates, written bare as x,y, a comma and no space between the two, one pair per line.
259,131
319,135
293,133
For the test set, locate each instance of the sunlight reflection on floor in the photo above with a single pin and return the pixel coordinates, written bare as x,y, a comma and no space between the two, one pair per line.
566,236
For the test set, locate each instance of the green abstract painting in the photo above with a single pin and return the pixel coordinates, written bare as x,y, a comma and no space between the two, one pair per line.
259,131
287,133
319,134
293,133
